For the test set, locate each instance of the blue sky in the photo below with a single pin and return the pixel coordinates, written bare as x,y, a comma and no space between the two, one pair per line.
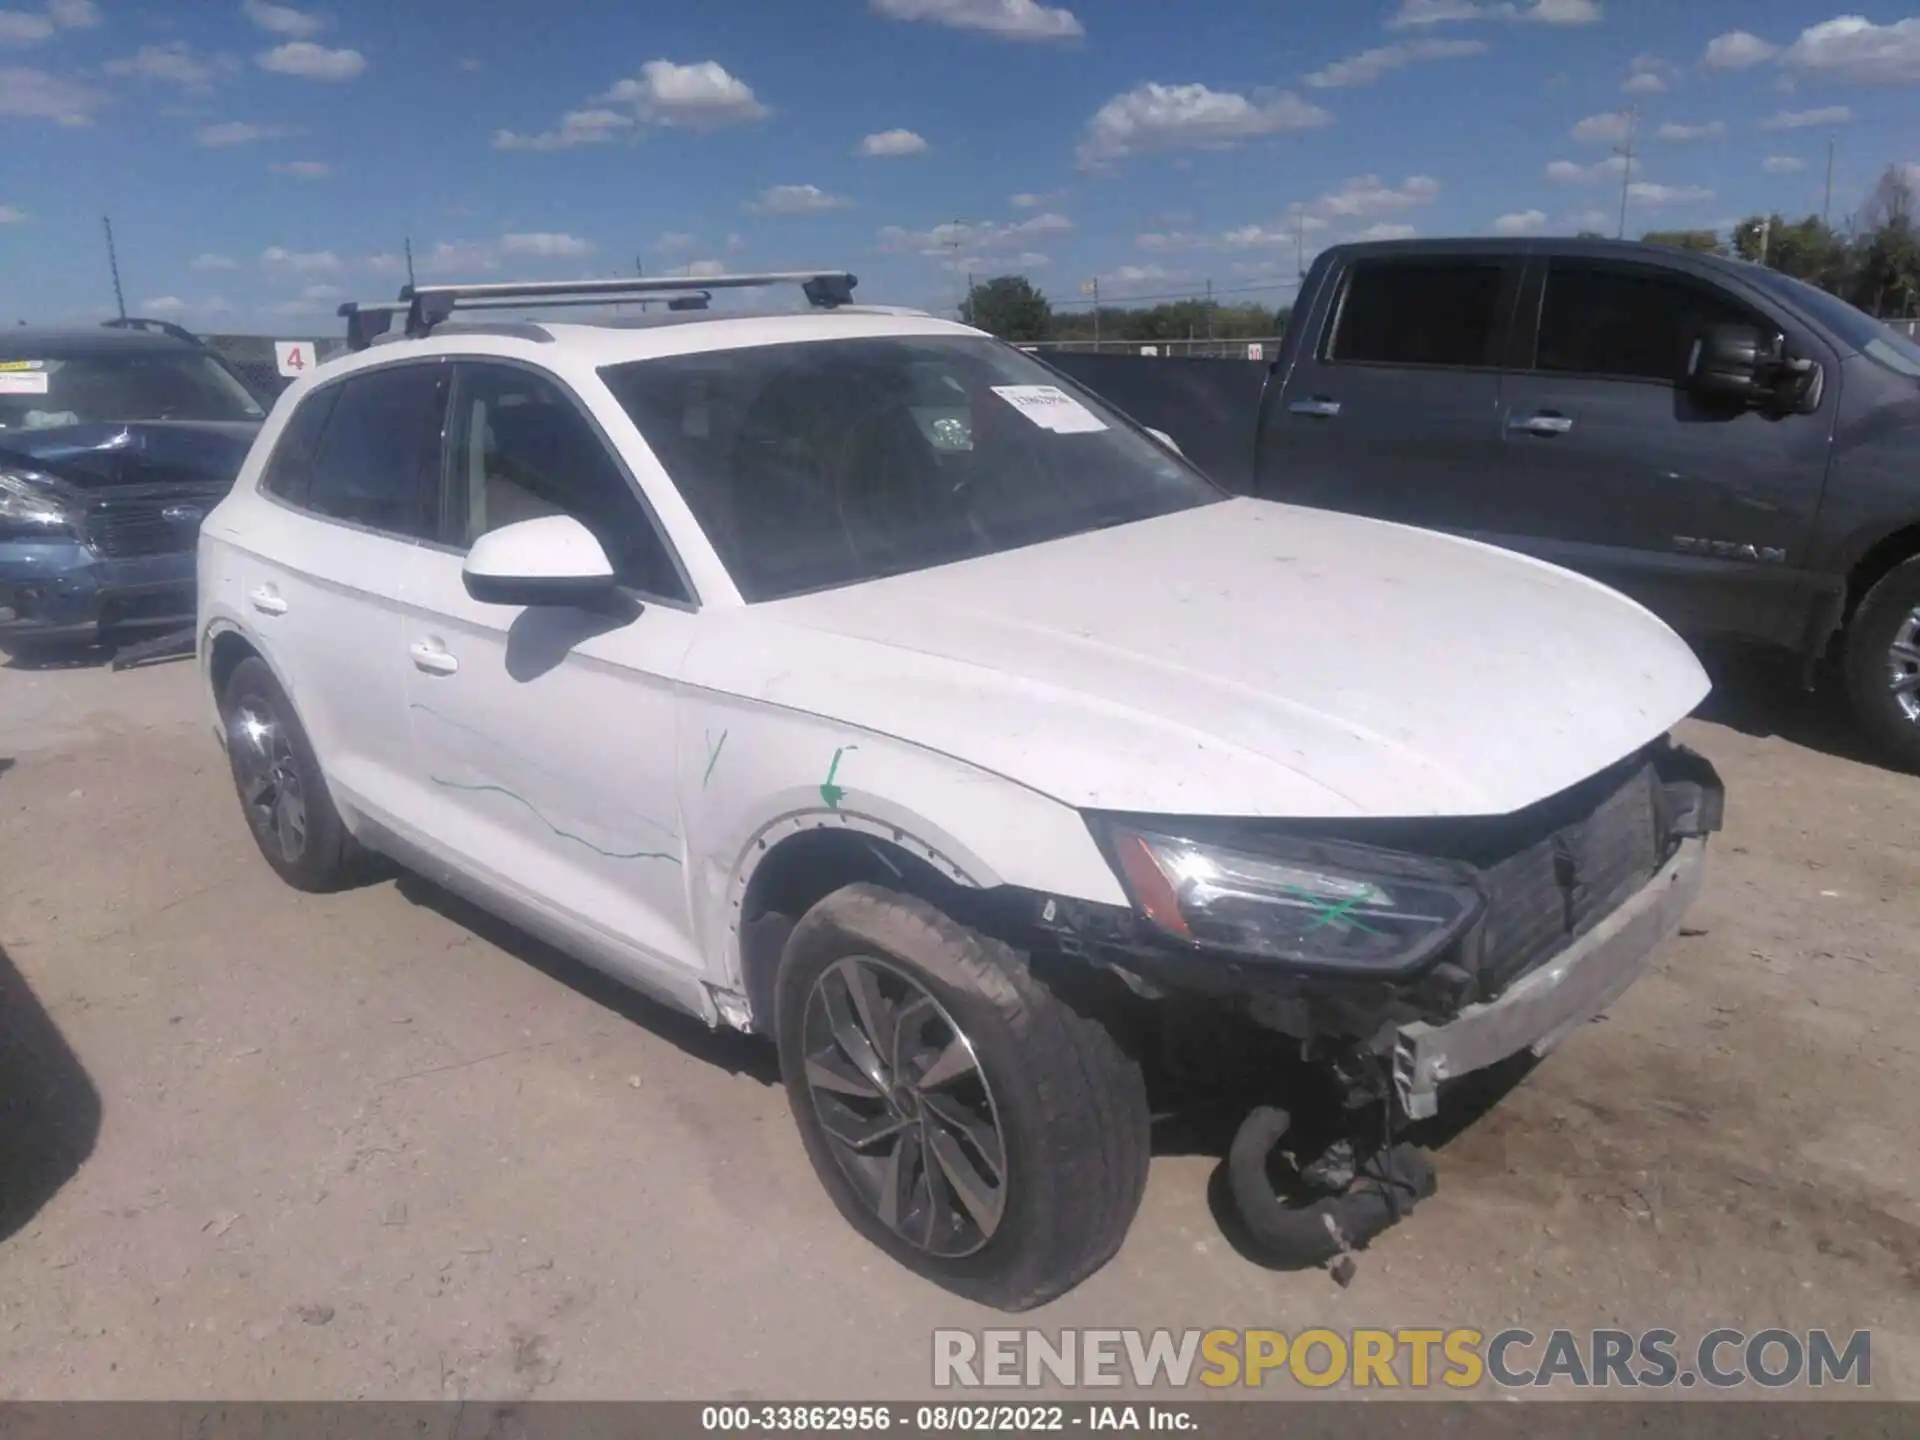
263,160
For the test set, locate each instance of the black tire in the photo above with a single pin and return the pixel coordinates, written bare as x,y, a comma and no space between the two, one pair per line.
273,769
1069,1104
1890,608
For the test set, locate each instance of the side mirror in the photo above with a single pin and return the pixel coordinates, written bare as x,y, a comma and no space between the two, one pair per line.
554,560
1729,363
1166,440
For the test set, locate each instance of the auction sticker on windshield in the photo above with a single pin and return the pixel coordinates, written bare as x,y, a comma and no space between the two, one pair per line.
7,365
23,382
1051,408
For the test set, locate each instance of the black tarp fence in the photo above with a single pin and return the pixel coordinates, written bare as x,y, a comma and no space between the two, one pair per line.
1208,406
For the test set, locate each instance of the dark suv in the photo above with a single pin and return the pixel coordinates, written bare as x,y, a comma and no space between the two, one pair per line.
114,442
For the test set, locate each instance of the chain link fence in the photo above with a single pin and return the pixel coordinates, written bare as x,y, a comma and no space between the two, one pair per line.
253,357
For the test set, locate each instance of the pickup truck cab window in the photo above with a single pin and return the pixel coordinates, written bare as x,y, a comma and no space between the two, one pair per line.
1419,312
1627,322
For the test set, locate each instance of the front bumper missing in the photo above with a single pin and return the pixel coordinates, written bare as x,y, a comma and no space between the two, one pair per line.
1543,1007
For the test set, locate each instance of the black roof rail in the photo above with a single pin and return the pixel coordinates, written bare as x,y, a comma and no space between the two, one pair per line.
158,327
426,306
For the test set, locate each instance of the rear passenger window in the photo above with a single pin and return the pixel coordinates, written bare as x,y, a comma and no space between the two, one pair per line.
290,467
1419,312
1622,322
378,460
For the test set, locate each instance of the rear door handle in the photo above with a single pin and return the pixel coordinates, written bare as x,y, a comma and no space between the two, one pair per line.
1545,423
1319,406
431,658
267,602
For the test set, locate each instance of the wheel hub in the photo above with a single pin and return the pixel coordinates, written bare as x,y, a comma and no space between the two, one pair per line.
905,1106
269,779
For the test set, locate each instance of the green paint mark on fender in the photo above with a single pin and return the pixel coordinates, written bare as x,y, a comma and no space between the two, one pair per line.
830,792
713,758
563,834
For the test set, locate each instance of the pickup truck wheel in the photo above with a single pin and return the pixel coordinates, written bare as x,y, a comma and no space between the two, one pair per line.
963,1117
282,792
1883,664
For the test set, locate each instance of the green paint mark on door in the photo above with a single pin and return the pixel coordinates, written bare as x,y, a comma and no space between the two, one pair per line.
713,757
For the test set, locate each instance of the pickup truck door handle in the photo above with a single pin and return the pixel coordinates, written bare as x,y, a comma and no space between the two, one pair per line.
267,602
1318,406
431,658
1546,423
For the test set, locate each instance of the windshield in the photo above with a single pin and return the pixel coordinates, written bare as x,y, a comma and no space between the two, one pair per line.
826,463
1857,329
41,392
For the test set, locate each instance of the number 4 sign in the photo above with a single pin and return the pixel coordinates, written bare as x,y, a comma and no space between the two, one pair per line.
294,357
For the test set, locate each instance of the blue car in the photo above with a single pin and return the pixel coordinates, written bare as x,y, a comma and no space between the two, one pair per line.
114,443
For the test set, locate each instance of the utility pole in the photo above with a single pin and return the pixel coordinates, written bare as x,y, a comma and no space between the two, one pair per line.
640,272
1626,170
1209,312
406,242
1766,237
1826,206
1093,286
113,264
970,297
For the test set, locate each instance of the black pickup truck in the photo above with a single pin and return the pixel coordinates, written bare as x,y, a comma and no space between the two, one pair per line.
1735,449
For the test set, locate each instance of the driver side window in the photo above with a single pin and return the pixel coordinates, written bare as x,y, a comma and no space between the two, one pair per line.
519,447
1623,322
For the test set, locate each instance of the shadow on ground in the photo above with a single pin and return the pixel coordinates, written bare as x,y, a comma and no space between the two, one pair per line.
736,1053
1761,694
49,1109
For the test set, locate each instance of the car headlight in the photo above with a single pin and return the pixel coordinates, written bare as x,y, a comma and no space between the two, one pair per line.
1323,906
29,510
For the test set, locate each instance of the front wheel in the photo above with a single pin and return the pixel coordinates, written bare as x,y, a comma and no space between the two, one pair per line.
1883,664
964,1117
282,791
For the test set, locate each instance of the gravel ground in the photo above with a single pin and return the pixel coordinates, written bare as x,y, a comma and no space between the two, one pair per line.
258,1144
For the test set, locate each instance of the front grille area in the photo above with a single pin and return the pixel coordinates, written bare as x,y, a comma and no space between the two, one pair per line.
137,529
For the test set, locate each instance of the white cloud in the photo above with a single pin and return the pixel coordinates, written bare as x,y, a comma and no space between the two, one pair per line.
892,142
976,237
1541,12
1566,172
674,241
1521,222
1710,130
577,127
1807,119
73,14
1010,19
702,96
1611,126
1170,242
736,243
162,305
322,292
1386,230
312,62
1656,195
207,260
12,215
1737,50
1782,164
796,200
384,263
472,64
545,243
283,19
706,269
1369,65
1648,75
299,262
459,255
1589,220
22,27
174,63
38,95
302,169
1853,49
1367,196
1139,274
1033,201
236,132
1158,118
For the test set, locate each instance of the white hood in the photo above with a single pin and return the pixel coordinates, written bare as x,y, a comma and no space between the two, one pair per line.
1243,658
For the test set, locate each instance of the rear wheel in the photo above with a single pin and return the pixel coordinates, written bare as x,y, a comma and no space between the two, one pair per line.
1883,664
282,792
964,1117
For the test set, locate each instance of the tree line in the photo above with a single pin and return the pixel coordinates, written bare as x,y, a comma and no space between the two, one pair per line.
1871,259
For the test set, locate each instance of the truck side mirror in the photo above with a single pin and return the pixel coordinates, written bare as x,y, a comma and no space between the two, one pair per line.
1730,363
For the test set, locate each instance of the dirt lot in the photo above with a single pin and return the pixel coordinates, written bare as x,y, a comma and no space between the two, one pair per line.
264,1145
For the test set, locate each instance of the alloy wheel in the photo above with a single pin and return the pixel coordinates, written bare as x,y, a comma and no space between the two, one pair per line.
270,786
905,1106
1903,666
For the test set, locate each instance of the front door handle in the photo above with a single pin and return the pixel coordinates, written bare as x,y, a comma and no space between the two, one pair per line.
1546,423
431,658
1319,406
267,602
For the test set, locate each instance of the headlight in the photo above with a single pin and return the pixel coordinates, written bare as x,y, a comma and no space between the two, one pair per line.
29,511
1321,906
